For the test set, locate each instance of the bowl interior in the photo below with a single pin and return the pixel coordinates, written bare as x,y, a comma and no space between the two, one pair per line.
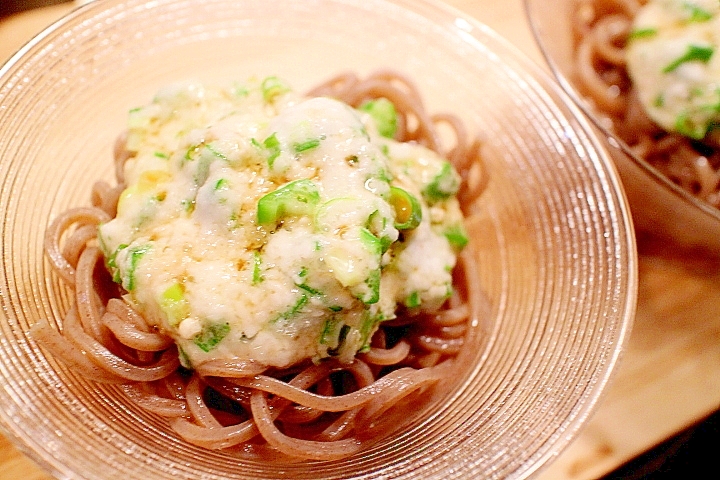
659,206
556,255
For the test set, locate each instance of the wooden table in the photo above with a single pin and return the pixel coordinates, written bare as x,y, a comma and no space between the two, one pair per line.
670,375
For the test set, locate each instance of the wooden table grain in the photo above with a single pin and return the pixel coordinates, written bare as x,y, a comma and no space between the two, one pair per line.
669,377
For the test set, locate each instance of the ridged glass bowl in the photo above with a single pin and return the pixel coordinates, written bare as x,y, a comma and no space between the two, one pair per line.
557,256
659,207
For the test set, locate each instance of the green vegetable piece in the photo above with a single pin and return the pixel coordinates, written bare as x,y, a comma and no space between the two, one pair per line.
697,14
273,87
272,144
642,33
306,145
174,304
296,198
135,255
369,291
211,335
222,184
312,291
369,323
112,261
257,276
329,328
294,309
370,241
457,237
694,53
383,113
408,213
413,300
215,152
443,186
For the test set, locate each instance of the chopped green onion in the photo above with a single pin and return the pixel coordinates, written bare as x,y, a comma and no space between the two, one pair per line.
306,145
383,112
408,213
272,144
174,304
642,33
413,300
312,291
457,237
221,184
298,197
444,185
294,309
370,241
694,53
216,152
697,14
135,255
329,328
112,262
369,291
211,335
257,276
272,87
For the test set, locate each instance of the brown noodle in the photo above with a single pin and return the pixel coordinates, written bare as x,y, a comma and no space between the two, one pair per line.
310,411
600,29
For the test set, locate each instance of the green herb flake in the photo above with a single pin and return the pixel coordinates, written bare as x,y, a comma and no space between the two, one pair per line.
217,153
174,304
294,309
371,292
383,113
306,145
257,276
161,155
642,33
135,255
112,262
211,335
413,300
273,87
457,237
444,185
697,14
312,291
328,328
221,184
272,144
694,53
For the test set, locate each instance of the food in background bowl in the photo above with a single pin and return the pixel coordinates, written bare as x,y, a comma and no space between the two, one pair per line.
283,264
650,68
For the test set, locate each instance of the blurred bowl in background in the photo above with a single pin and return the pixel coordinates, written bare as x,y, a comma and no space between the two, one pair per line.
659,206
557,255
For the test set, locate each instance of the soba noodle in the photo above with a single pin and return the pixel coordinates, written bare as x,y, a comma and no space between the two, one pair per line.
324,410
601,29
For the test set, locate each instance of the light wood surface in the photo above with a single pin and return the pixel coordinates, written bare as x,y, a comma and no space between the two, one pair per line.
669,377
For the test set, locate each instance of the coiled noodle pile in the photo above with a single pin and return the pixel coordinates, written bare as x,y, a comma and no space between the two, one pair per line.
310,411
601,29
